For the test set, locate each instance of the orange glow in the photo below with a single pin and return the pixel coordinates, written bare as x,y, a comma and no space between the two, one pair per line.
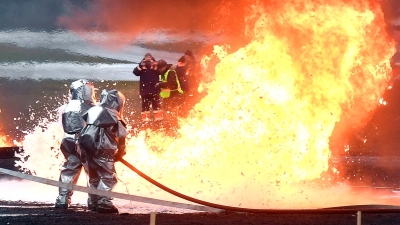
261,135
145,19
4,142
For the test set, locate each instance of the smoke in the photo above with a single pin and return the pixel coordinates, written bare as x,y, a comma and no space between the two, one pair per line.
391,8
180,18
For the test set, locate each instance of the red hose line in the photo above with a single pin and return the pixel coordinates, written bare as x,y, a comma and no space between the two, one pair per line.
336,210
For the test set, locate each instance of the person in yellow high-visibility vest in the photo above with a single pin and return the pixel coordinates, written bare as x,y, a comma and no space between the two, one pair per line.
170,91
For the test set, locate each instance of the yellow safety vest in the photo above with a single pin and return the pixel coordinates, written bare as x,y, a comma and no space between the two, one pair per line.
166,92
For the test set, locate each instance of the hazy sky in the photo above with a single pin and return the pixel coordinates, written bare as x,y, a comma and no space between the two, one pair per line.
34,14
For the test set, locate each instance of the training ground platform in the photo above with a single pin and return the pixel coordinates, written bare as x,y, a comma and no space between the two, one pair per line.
37,213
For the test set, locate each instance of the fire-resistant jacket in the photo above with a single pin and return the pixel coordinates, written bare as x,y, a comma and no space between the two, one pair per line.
105,130
169,84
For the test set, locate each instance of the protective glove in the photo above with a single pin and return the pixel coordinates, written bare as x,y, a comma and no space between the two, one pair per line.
121,149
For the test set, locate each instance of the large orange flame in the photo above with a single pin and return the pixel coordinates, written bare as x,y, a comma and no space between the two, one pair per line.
262,132
274,103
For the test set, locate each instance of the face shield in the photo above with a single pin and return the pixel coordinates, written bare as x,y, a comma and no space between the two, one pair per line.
113,99
82,90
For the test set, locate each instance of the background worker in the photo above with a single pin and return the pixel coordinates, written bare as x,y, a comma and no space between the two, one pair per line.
170,91
191,72
191,81
181,69
149,94
184,80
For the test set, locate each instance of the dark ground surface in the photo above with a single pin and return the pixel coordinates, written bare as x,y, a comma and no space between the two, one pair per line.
36,213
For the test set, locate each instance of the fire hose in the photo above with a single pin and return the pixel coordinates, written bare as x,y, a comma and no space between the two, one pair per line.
203,205
355,209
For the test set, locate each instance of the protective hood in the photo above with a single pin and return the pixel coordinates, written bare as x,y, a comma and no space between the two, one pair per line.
114,99
83,90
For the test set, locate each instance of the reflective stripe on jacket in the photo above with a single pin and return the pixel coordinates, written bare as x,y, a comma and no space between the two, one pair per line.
166,92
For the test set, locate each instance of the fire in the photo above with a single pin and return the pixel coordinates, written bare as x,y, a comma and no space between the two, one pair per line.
4,141
43,146
273,105
261,135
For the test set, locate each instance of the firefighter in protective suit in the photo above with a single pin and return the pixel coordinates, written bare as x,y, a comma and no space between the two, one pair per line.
82,98
102,141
